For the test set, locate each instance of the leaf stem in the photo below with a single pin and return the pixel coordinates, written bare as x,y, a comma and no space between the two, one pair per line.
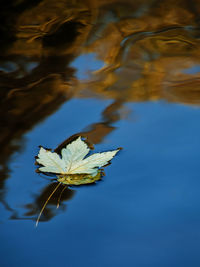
46,202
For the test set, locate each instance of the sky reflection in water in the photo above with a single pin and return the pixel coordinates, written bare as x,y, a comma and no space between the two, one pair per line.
148,201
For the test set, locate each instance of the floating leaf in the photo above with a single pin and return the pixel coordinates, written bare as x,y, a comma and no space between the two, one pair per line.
73,168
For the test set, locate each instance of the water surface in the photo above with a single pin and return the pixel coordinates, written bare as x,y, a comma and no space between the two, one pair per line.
122,74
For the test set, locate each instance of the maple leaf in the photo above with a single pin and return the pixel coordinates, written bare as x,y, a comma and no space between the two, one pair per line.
73,159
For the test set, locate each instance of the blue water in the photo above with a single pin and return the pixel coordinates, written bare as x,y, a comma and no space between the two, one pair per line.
145,211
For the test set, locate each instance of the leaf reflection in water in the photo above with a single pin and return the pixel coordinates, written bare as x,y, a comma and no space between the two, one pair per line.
62,186
60,194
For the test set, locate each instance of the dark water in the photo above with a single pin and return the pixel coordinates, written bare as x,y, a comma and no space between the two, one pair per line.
123,74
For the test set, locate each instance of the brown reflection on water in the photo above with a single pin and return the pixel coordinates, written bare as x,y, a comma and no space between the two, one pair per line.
146,45
56,201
